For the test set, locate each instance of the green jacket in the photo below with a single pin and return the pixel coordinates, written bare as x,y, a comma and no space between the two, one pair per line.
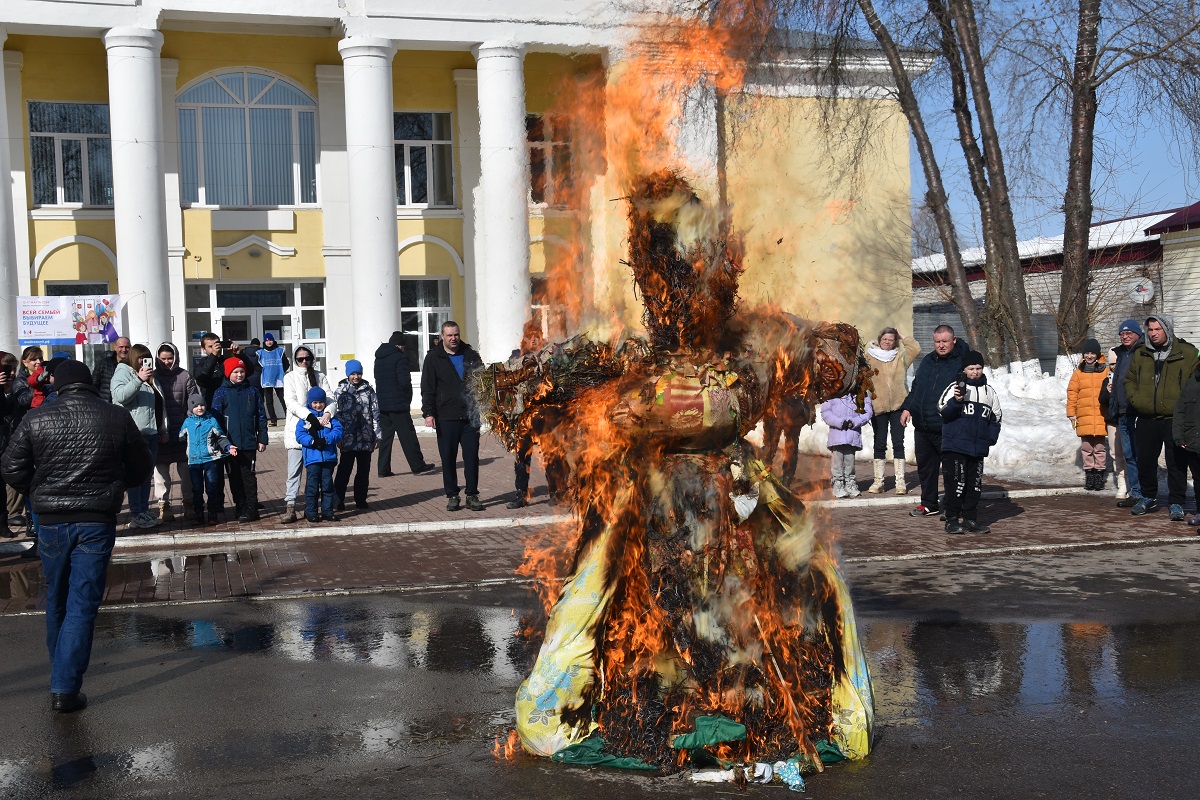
1153,386
1185,429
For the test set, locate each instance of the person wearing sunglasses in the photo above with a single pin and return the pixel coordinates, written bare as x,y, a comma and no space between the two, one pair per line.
296,383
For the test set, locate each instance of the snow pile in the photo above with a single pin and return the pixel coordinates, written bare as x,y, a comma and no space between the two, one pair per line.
1037,443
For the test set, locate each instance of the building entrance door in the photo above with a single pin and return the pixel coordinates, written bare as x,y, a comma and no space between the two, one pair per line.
243,324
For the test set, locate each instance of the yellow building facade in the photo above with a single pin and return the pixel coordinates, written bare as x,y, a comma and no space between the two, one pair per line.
266,207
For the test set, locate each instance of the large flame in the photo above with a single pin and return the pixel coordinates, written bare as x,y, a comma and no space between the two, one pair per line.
698,585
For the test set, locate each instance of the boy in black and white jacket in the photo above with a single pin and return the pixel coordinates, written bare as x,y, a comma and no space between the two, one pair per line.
971,415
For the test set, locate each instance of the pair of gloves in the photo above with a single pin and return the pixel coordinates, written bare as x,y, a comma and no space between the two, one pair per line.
312,424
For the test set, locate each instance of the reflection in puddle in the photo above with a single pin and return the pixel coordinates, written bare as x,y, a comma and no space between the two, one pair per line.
920,667
21,580
150,763
455,639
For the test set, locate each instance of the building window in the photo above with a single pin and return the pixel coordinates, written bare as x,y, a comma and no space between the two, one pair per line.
74,288
424,306
424,159
71,154
548,138
247,139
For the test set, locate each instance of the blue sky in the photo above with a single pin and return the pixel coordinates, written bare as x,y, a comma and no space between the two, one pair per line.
1139,169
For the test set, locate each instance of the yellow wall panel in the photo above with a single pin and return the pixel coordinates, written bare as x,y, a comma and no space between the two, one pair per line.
295,57
549,75
423,80
821,242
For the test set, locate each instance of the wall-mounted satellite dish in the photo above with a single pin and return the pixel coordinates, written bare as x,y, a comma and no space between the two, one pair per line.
1142,292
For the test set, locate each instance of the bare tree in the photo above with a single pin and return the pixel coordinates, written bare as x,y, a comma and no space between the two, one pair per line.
1141,52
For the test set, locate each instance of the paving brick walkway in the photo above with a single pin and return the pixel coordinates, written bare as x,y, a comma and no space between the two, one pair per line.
408,540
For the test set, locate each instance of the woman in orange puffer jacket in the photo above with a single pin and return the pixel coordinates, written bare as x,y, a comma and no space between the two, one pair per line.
1085,413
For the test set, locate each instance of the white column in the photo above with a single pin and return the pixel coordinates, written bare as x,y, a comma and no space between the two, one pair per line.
370,164
9,285
466,86
502,216
335,218
173,209
135,117
13,63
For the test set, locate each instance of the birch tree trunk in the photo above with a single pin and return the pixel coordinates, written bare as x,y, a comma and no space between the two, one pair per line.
935,193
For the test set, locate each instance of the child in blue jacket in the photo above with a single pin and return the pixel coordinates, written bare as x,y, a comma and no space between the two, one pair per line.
971,415
318,436
206,445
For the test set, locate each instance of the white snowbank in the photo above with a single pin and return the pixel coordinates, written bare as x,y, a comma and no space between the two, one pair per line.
1037,443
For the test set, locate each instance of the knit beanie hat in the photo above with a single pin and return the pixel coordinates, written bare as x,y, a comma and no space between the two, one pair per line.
397,337
196,399
1090,346
268,337
1130,325
317,393
54,363
353,366
233,363
974,358
70,372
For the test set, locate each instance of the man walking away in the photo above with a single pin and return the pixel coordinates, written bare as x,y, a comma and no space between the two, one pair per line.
393,386
75,458
937,370
448,407
1154,382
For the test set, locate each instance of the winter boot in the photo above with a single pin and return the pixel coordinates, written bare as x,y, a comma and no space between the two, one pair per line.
1087,479
165,513
290,514
1122,487
898,468
877,486
1101,479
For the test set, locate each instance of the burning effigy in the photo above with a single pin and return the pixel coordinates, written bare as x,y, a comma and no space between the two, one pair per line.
703,614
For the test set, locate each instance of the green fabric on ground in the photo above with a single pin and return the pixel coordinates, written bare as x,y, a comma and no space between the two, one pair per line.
710,730
589,752
829,752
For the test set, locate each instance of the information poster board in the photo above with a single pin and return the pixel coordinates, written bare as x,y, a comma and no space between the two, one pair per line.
73,319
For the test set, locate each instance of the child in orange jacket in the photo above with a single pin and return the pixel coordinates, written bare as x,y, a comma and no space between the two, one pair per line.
1085,413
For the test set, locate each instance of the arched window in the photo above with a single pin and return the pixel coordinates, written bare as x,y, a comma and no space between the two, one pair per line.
247,139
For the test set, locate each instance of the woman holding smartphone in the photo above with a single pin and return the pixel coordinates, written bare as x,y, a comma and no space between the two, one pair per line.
134,389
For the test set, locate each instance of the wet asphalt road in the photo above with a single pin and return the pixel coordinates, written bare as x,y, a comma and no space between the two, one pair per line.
1055,675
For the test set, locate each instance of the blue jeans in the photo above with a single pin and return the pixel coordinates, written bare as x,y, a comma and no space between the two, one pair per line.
318,481
1129,448
206,479
139,496
75,560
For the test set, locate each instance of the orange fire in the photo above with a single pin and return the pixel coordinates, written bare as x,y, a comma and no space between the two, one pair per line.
702,611
706,611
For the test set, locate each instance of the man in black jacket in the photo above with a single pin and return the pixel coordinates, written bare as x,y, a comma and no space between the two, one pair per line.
936,371
75,458
393,387
448,406
106,365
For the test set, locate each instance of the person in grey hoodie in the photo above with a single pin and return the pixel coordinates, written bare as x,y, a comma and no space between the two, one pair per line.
177,385
1155,380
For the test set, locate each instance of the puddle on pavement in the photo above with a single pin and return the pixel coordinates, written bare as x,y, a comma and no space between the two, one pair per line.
921,667
442,639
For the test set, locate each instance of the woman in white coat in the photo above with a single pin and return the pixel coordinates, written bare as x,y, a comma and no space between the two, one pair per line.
302,377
